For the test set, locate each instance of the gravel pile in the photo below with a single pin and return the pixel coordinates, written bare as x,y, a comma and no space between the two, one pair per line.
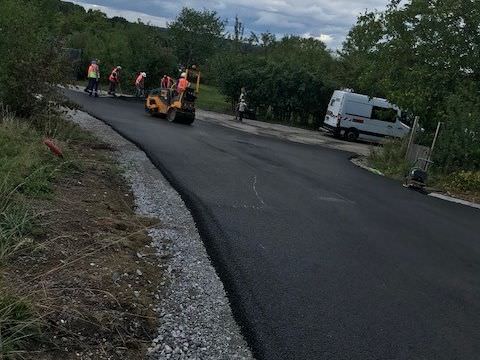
195,318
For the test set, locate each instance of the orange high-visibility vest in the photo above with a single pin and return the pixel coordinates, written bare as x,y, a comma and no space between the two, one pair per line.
182,85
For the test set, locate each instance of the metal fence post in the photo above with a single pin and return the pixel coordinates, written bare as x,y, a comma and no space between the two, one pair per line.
433,144
412,136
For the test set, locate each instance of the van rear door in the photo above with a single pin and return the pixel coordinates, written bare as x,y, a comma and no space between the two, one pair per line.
333,109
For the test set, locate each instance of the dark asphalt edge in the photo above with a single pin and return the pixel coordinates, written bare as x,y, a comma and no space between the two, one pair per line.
202,216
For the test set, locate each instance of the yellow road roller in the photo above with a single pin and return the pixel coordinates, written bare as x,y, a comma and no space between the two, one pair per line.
176,106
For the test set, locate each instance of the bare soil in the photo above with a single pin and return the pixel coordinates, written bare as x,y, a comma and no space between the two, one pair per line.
90,272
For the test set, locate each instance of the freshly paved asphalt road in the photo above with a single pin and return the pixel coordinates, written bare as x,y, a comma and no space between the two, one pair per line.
321,259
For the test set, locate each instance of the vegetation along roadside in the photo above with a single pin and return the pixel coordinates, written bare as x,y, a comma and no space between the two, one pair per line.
71,283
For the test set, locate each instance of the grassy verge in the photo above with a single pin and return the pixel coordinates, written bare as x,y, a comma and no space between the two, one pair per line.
26,171
211,99
390,160
78,277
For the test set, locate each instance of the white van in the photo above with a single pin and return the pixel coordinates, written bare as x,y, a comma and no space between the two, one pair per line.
356,116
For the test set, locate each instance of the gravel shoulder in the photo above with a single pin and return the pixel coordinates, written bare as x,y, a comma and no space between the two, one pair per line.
195,318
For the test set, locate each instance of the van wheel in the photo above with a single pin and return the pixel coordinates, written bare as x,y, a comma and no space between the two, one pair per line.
351,135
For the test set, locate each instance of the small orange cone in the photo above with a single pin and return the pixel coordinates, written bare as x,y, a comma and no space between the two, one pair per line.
53,148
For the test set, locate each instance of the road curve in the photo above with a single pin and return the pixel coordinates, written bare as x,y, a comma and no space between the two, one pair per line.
321,259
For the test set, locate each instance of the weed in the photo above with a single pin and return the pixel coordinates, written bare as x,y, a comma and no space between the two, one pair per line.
463,181
17,324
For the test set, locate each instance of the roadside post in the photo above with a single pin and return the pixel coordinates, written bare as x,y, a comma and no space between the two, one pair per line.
437,132
412,136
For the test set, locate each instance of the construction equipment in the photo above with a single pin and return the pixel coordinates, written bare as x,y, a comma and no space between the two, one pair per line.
176,107
418,176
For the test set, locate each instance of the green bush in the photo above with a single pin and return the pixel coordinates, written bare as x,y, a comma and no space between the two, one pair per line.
290,79
31,64
464,181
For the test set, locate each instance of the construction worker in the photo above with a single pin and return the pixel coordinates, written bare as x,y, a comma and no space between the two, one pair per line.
192,74
93,75
242,107
167,82
114,80
140,85
182,83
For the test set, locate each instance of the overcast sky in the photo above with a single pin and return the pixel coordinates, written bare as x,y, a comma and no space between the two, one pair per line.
328,20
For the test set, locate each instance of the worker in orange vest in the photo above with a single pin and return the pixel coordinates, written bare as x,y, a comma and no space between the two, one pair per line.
140,85
182,83
114,80
167,82
93,75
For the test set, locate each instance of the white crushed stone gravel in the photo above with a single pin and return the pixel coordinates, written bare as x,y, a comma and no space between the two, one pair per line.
195,317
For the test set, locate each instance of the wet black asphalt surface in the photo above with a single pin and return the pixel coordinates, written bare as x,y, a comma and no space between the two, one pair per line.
321,259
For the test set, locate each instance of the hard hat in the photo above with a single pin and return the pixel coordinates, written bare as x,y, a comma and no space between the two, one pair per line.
144,74
119,67
184,75
94,61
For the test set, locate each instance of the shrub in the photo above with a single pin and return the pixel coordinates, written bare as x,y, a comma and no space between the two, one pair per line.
464,181
390,159
31,62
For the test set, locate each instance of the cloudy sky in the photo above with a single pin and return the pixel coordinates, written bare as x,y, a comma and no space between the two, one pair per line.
328,20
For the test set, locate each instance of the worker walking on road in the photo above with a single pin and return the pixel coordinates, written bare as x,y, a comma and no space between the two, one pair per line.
114,80
140,85
93,76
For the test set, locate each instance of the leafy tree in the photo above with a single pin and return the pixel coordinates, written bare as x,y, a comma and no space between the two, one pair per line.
196,35
422,55
287,80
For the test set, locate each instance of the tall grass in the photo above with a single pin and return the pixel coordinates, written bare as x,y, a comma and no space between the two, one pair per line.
26,170
211,99
17,325
390,158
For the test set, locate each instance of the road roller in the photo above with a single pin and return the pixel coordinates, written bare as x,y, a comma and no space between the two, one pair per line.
176,106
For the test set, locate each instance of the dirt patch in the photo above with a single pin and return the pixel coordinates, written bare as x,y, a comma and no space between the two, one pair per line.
91,272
